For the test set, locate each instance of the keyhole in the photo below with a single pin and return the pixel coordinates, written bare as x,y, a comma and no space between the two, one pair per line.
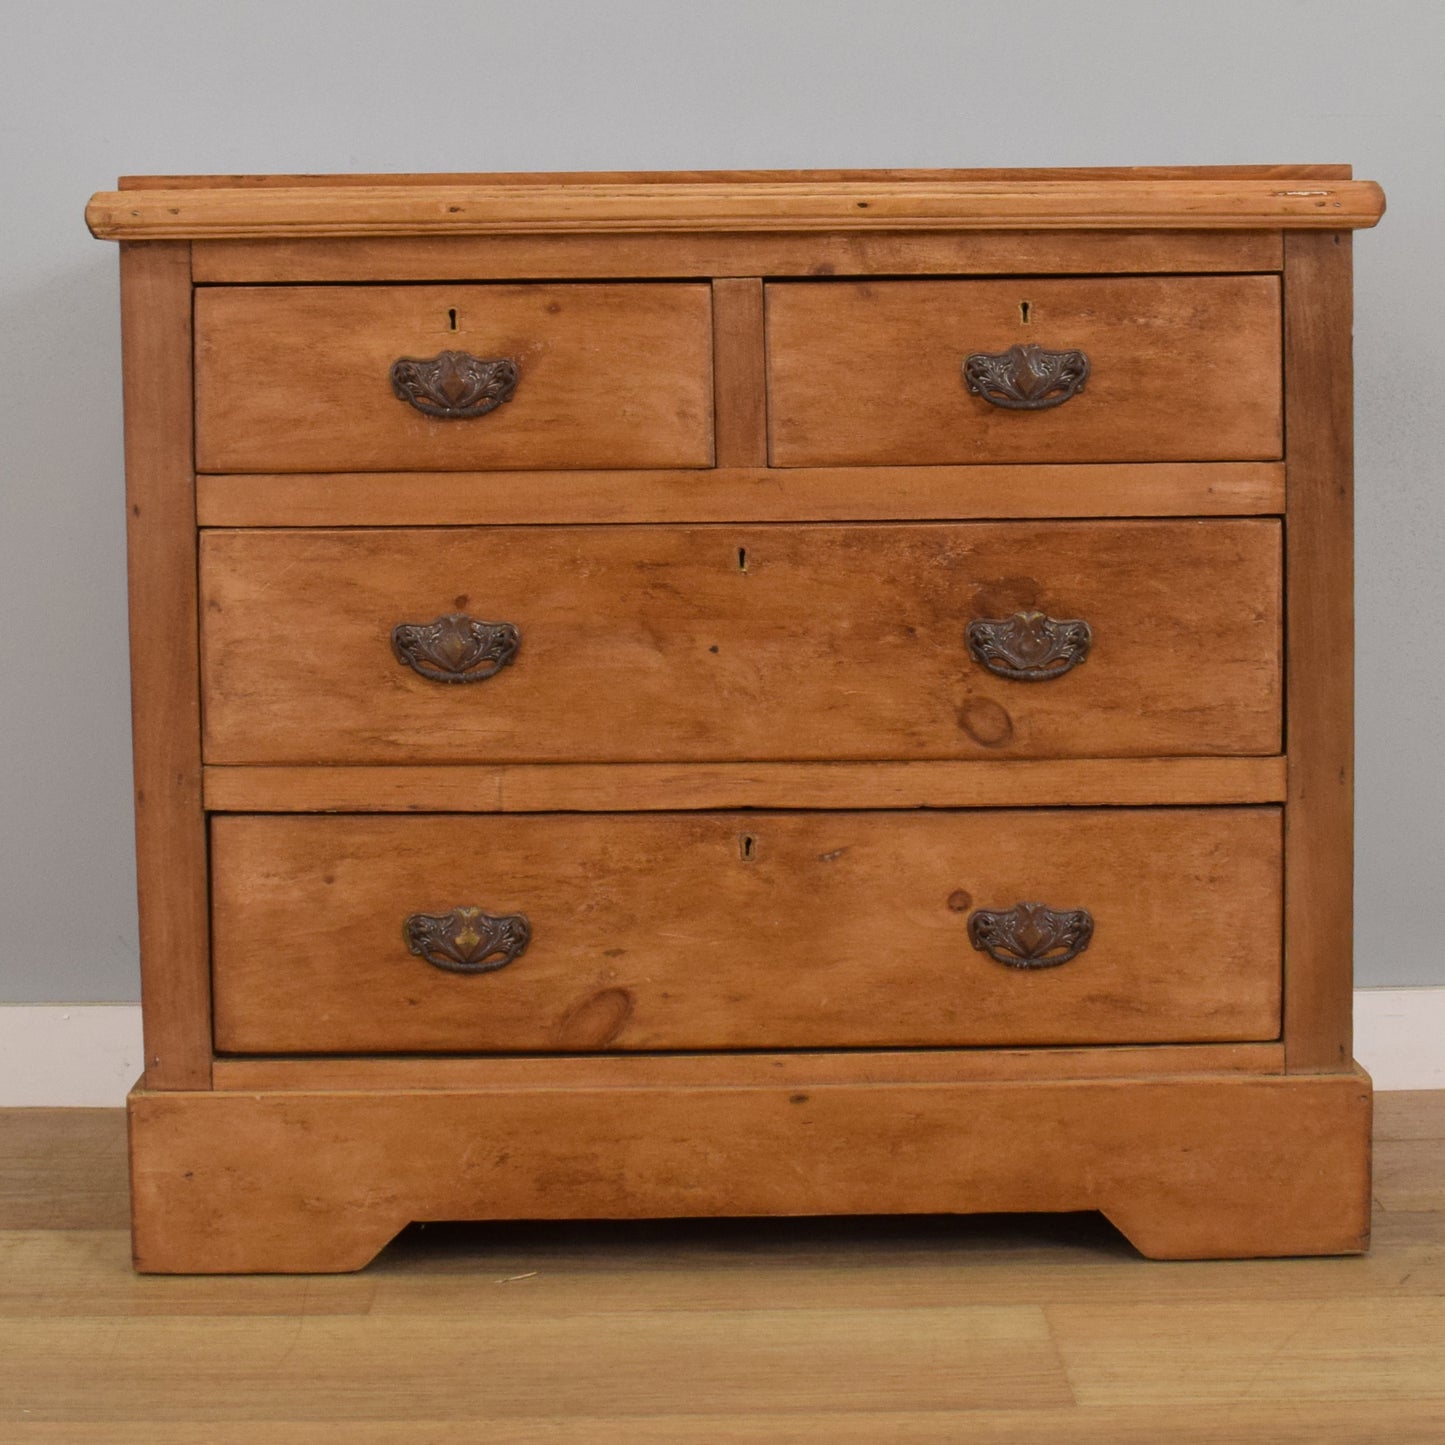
1024,308
742,559
452,319
747,847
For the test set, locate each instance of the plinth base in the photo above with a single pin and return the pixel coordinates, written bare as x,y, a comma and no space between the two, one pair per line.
1188,1167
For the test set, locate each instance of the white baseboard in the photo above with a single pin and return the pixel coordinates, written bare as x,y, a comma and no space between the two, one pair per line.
1400,1036
89,1055
72,1056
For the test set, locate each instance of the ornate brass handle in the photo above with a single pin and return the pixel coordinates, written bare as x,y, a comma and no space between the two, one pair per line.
1030,647
1031,935
455,648
467,940
454,385
1026,378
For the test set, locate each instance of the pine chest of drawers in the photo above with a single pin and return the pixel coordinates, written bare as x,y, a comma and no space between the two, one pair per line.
741,694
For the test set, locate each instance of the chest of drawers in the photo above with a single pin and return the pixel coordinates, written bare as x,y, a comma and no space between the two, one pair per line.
741,694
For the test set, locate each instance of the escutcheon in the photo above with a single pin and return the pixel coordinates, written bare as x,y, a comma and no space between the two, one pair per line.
467,940
1031,935
454,385
1030,646
455,648
1026,378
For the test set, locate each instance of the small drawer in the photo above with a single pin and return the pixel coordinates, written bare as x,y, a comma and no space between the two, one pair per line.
572,932
1108,369
697,644
417,378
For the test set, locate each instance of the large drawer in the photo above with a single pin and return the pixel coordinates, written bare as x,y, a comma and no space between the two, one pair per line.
301,378
745,930
1179,368
656,643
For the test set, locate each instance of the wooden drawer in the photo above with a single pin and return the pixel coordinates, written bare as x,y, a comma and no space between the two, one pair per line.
745,930
299,378
760,642
1179,368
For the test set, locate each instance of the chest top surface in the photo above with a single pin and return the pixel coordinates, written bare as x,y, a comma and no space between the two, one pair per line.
1181,198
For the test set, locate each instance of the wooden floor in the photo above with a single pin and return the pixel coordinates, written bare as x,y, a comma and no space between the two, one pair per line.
852,1332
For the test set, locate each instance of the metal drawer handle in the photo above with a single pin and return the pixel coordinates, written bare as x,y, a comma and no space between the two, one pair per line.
1029,646
467,940
455,648
1031,935
454,385
1026,378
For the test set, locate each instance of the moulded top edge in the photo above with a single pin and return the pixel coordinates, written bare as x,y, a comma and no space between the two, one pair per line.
578,206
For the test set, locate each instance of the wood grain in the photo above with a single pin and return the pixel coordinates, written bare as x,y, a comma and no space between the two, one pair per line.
298,378
1339,1352
772,1364
165,688
1196,203
1172,1162
744,930
853,1066
739,494
1319,878
724,254
649,787
1402,1404
740,405
61,1169
1103,1344
870,372
746,642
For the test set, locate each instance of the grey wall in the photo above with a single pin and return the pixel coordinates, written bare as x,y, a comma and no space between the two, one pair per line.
92,90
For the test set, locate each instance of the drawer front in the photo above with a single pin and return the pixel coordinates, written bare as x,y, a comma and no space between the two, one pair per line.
1006,639
745,930
1177,368
301,378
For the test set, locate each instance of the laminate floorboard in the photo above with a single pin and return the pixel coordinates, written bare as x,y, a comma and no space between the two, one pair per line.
852,1331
